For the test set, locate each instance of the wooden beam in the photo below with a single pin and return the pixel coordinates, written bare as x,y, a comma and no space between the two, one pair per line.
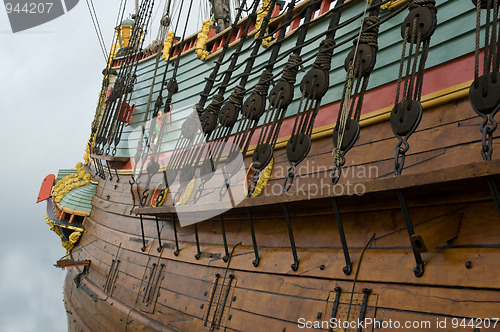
431,234
465,174
62,263
110,158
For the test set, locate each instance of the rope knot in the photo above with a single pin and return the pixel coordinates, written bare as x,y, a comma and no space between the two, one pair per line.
291,68
264,81
324,57
369,35
421,3
237,95
216,103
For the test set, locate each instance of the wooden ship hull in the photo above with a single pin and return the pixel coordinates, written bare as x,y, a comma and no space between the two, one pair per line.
280,261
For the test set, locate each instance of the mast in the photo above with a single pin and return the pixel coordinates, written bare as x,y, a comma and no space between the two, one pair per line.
221,13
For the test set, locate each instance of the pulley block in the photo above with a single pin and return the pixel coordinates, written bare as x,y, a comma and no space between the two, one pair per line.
364,62
208,122
233,163
315,84
187,174
228,115
159,102
189,128
281,95
152,168
484,93
262,156
405,117
351,133
254,106
426,23
298,147
207,169
170,175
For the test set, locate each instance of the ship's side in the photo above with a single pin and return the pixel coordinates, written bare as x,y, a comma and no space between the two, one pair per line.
280,261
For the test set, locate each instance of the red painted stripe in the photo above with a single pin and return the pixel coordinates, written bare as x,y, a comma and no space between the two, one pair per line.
435,79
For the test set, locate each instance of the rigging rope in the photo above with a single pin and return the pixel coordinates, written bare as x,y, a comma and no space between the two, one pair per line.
280,98
97,29
254,106
228,115
111,125
416,30
361,62
105,82
155,137
484,92
208,117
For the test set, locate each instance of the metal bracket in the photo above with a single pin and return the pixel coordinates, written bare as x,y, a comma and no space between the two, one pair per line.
295,264
217,276
290,175
419,269
95,166
132,182
335,307
176,252
100,169
109,171
198,254
252,183
159,234
254,241
348,263
228,288
142,233
223,228
364,305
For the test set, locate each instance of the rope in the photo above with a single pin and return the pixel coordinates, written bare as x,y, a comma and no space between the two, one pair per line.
264,81
368,35
97,29
413,79
325,52
237,95
216,103
291,68
421,3
108,126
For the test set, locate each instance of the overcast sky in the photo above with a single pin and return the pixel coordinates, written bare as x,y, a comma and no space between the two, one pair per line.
50,77
49,82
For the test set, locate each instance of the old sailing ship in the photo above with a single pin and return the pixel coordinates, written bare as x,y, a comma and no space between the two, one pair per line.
302,164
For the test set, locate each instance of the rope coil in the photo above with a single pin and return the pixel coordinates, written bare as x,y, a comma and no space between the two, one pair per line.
325,52
237,95
264,81
291,68
216,103
422,3
370,35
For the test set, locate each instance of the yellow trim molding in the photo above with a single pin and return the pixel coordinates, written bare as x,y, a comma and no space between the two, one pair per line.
432,100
